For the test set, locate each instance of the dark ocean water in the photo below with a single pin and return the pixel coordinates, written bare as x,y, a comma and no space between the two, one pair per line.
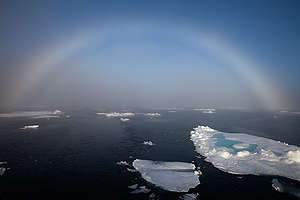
75,158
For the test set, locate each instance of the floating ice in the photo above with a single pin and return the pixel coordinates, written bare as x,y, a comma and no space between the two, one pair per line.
188,196
124,119
2,169
246,154
150,143
285,188
141,189
31,127
133,187
124,163
117,114
206,110
35,114
152,114
171,176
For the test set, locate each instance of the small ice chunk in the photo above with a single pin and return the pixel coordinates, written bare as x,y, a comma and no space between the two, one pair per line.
131,170
124,119
117,114
31,127
141,190
188,196
151,196
133,187
150,143
206,110
171,176
123,163
152,114
2,171
285,188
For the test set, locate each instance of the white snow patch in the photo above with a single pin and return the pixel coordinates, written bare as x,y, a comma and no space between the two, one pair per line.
171,176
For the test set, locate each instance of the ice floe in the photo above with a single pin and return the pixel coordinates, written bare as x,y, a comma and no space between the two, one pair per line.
188,196
246,154
171,176
123,163
150,143
285,188
117,114
36,126
34,114
133,187
141,190
206,110
2,169
152,114
124,119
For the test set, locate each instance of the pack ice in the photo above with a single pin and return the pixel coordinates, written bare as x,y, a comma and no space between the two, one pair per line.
246,154
171,176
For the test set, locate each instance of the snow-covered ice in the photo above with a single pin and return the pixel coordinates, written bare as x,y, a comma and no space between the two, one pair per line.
171,176
246,154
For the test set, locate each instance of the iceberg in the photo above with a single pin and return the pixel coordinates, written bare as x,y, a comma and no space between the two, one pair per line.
171,176
239,153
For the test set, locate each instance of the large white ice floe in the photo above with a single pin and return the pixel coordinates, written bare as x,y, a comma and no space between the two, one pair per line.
34,114
171,176
247,154
117,114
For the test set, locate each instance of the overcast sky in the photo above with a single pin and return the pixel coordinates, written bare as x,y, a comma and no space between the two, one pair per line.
224,54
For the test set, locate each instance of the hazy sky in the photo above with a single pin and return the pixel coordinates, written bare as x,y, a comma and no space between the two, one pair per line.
150,53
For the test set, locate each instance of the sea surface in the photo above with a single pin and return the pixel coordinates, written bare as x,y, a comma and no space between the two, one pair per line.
75,155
